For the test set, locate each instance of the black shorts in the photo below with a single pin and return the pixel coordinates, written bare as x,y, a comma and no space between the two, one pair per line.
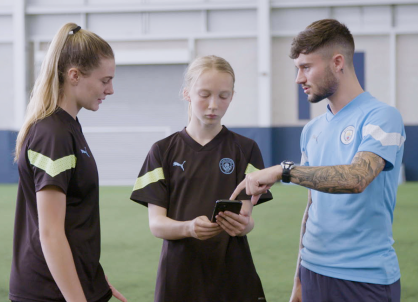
319,288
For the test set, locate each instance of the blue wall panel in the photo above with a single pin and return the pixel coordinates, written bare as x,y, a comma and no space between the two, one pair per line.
304,106
263,137
358,61
8,170
410,158
276,144
286,144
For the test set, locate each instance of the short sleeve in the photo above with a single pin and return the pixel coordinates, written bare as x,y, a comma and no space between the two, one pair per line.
254,163
151,184
383,133
50,153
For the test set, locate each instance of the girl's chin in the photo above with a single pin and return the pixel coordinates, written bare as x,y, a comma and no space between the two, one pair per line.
92,108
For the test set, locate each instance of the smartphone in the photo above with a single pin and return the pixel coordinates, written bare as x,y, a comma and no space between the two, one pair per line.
223,205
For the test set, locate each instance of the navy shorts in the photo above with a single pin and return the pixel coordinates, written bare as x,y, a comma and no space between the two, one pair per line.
319,288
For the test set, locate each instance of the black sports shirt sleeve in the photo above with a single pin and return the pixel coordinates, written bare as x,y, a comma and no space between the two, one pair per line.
254,163
151,184
51,155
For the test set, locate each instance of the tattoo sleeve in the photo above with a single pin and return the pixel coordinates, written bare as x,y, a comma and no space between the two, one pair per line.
353,178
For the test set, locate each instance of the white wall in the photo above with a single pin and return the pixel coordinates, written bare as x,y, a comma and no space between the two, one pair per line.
168,32
285,105
152,37
242,55
145,107
407,78
6,66
377,65
6,82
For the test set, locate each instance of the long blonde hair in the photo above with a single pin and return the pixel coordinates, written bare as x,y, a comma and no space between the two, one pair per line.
202,64
71,47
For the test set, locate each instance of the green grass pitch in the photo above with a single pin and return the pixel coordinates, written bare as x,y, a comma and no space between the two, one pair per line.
130,253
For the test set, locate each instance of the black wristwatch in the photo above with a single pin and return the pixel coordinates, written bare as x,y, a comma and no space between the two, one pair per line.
287,165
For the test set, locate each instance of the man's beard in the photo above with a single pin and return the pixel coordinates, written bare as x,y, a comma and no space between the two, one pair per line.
326,89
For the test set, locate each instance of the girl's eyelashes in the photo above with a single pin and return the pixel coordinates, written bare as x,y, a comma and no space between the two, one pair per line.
206,94
106,80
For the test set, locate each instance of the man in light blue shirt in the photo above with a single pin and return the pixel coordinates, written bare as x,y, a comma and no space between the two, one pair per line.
351,158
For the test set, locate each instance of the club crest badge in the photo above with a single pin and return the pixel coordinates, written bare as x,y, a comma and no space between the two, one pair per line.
227,165
347,135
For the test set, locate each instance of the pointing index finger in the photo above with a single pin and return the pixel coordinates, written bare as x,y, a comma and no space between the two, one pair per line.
254,199
237,190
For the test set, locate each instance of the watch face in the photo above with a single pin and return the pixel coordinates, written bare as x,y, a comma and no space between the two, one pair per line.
288,164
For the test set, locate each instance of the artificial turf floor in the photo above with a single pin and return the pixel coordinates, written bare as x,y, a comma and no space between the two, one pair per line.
130,253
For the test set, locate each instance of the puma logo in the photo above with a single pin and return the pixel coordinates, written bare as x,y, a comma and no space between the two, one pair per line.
176,164
315,137
85,151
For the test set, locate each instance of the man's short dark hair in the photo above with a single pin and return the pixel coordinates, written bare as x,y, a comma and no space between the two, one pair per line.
321,35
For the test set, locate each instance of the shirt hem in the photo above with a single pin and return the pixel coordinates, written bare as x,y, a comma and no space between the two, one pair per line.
43,184
263,198
391,162
19,298
142,201
333,274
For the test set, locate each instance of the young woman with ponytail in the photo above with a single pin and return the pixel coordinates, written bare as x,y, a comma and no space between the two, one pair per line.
56,247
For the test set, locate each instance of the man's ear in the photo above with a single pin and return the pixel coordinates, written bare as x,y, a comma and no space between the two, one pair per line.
186,95
73,76
338,62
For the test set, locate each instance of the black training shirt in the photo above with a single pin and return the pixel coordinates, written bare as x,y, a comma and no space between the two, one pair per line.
56,153
186,178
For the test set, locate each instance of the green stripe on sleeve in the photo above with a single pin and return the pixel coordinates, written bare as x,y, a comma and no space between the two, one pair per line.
51,167
250,169
150,177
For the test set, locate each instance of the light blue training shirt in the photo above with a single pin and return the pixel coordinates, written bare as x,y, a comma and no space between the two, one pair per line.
349,236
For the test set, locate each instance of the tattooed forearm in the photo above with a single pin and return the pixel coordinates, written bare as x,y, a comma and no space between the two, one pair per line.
353,178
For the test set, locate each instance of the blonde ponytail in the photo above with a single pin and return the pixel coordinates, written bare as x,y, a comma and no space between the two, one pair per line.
71,47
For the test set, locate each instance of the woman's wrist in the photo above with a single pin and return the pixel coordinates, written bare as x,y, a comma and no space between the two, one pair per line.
189,229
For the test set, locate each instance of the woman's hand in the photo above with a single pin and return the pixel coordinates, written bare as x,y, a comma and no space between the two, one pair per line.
115,292
202,228
234,224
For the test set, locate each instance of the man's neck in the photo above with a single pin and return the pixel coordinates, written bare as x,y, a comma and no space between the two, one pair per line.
348,90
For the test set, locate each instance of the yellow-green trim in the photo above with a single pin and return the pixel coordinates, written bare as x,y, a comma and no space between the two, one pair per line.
152,176
52,167
250,169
